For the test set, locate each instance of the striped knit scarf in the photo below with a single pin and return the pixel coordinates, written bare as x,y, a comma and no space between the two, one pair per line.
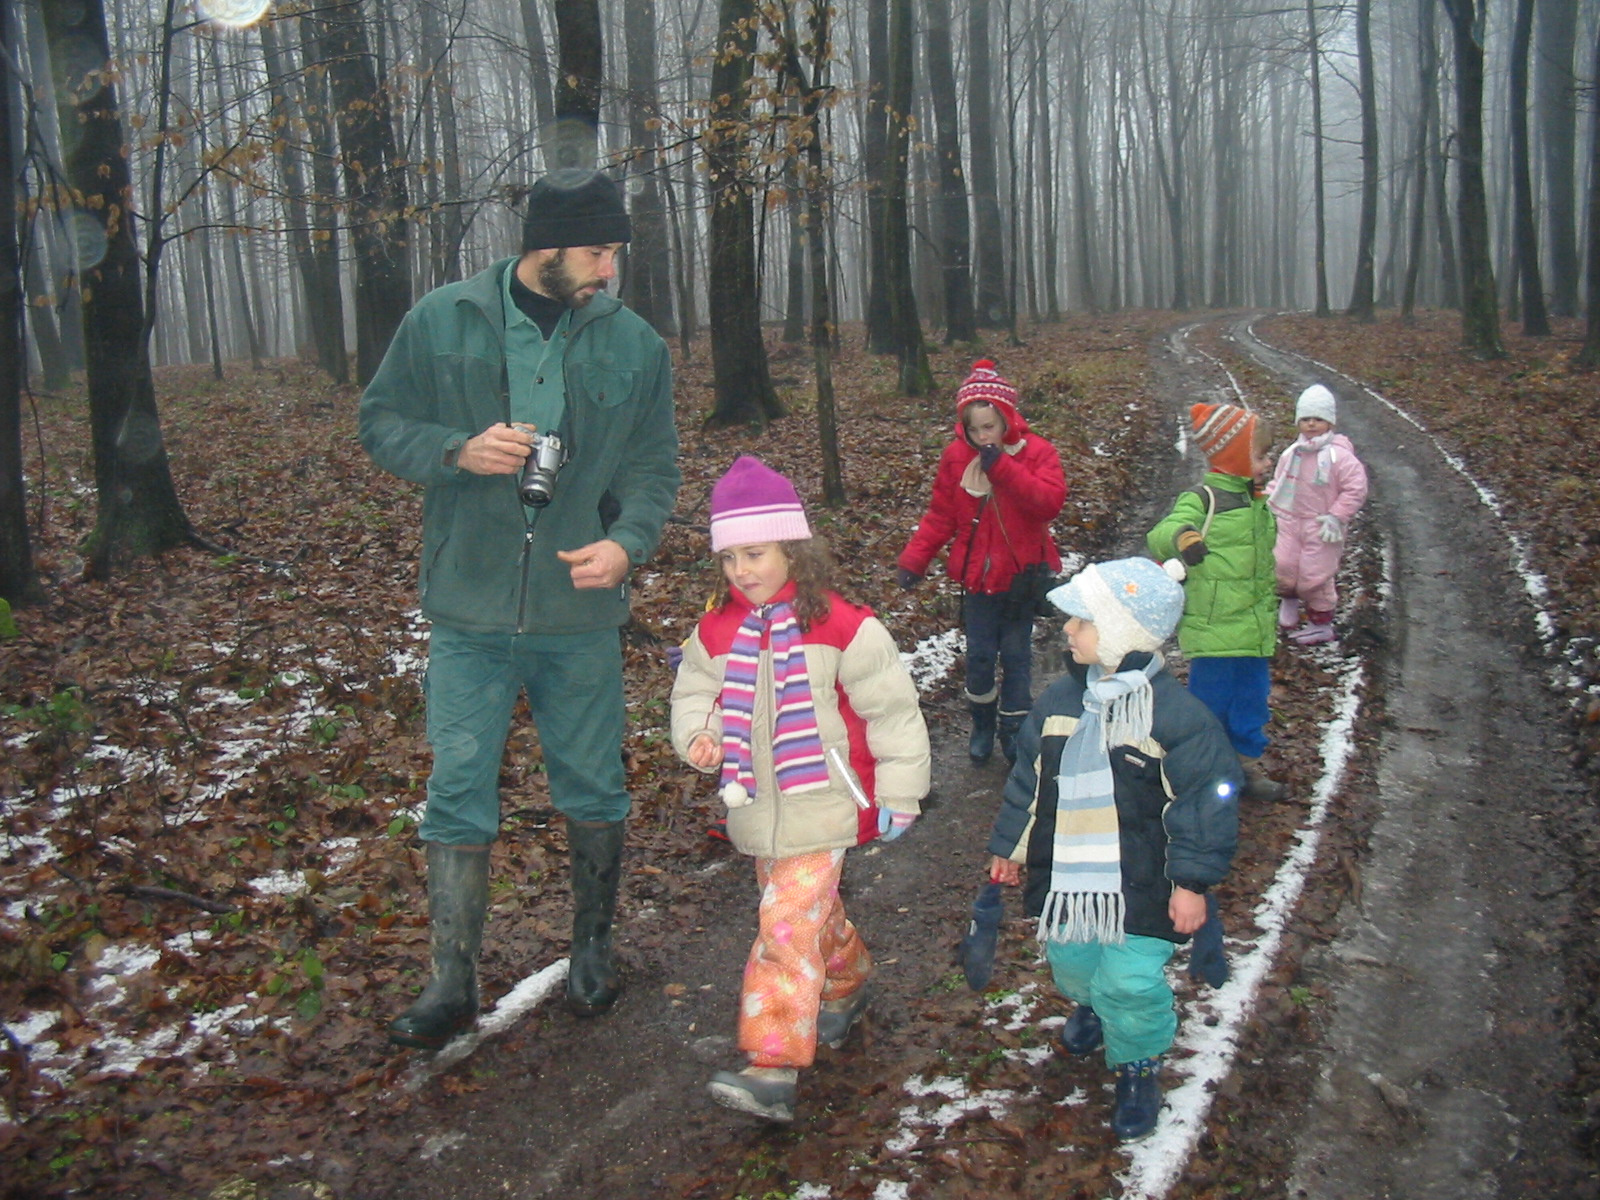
796,744
1289,479
1085,903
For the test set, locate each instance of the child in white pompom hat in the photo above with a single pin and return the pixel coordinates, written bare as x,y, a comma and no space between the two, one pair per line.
1316,491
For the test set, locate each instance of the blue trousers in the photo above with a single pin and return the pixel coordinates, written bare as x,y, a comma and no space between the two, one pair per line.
991,636
574,687
1127,987
1236,690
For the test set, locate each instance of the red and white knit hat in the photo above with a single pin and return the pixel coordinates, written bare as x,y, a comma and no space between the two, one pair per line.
986,383
1225,433
753,503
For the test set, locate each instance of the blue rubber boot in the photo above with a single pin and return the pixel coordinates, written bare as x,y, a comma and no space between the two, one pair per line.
1082,1034
1138,1099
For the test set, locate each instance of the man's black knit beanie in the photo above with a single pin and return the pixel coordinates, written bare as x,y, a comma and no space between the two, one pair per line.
572,206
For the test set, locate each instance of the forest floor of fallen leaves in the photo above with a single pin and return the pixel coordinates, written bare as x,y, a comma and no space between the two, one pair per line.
209,871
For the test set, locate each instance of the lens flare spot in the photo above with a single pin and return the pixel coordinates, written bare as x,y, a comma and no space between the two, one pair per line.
233,13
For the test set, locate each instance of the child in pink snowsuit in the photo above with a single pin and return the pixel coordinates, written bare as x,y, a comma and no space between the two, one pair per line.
1318,487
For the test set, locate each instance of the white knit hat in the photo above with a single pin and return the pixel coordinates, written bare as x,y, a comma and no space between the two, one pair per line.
1317,401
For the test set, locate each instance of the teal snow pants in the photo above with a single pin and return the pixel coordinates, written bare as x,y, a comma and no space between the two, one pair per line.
574,687
1126,986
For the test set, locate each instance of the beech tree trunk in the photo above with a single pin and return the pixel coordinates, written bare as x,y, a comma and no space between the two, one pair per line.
647,285
991,256
19,582
1361,292
1480,311
954,226
916,377
374,186
138,512
1535,321
1556,106
740,374
579,78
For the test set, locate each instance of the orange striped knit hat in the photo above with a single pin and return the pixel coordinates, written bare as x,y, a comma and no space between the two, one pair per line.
1225,433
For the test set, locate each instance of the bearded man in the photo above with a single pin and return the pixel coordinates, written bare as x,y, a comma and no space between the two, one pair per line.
525,573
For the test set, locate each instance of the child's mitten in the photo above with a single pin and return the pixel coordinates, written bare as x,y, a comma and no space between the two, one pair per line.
982,937
906,577
892,824
1207,960
1191,546
1330,528
988,456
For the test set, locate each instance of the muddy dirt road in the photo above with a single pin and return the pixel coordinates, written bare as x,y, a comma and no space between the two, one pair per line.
1435,1070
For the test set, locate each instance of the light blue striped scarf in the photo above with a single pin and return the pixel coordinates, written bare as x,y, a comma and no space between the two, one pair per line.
1085,903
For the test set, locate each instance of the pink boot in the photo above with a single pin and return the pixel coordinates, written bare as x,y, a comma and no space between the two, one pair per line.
1289,612
1313,635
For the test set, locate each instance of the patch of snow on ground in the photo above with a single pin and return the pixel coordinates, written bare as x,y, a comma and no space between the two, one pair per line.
934,657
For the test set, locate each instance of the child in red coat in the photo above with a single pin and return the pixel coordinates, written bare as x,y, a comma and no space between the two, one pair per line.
998,487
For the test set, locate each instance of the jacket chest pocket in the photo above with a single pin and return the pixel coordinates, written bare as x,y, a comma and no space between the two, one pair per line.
600,384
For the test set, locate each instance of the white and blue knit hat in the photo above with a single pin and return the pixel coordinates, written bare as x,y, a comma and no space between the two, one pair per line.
1134,605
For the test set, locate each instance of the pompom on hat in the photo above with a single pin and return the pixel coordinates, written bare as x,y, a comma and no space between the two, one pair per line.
572,206
1134,605
987,386
1225,434
753,503
1317,401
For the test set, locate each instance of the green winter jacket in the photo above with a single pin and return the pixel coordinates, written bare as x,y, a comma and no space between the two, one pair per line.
1230,605
488,563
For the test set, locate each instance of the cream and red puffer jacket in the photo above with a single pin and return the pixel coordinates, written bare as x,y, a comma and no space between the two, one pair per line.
867,713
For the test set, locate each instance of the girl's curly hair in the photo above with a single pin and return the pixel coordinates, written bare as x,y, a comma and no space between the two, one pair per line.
812,568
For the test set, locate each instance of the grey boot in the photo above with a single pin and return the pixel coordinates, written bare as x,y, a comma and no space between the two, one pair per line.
1009,723
596,872
458,895
982,744
1258,785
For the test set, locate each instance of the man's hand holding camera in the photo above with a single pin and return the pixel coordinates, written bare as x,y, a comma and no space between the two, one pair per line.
498,450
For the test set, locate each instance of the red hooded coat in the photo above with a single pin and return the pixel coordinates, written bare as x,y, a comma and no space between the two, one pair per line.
998,534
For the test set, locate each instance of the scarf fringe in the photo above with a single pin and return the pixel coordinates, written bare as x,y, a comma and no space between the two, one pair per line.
1083,917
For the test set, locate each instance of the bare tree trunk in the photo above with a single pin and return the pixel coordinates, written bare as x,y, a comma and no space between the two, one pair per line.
916,376
374,186
794,209
1480,312
19,581
1535,322
1555,104
875,162
648,284
1361,301
742,380
1589,356
955,229
991,257
579,78
1428,82
539,68
1049,260
1318,185
138,512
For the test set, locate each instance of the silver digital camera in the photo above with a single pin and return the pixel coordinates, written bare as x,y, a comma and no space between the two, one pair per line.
545,460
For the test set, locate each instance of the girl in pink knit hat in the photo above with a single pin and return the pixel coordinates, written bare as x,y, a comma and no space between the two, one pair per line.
799,700
998,487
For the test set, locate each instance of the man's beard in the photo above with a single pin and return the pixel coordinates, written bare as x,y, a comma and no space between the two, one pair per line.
558,282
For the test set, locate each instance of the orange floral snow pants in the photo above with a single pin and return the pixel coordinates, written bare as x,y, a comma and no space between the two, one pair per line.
806,952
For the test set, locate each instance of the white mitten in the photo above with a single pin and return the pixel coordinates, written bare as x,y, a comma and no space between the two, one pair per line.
1330,528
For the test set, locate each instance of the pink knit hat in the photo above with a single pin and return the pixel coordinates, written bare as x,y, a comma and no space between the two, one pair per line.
753,503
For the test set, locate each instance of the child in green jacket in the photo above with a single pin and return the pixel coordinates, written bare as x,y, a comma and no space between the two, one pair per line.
1218,539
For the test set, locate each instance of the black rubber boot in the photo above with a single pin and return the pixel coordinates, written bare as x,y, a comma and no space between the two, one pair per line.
596,872
1008,725
458,895
983,718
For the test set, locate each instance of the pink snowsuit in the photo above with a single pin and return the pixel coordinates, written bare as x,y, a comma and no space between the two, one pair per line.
1315,476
